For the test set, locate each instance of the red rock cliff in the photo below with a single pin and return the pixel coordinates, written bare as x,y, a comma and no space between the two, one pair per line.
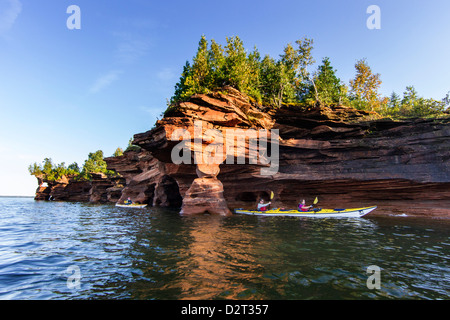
345,156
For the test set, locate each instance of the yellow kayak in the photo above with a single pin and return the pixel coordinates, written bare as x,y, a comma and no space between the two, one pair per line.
317,213
133,205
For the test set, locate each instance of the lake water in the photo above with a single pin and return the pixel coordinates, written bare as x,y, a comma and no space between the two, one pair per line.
55,250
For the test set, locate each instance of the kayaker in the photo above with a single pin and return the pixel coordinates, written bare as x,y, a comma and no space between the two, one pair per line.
302,206
263,206
128,201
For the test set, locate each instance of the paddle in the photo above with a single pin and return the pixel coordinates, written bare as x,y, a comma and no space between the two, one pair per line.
271,195
316,200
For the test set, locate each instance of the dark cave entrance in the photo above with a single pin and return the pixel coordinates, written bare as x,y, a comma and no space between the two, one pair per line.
168,193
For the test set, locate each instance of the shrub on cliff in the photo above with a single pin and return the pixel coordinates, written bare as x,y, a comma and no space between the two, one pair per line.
118,152
132,147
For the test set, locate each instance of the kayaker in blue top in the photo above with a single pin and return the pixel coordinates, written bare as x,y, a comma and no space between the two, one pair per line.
128,201
263,206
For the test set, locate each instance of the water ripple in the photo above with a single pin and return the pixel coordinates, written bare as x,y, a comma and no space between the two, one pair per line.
157,254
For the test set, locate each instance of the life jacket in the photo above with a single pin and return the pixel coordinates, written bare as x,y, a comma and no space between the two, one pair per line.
303,208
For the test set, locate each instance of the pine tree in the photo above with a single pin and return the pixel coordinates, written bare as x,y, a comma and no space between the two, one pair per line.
236,68
216,63
183,88
268,80
330,90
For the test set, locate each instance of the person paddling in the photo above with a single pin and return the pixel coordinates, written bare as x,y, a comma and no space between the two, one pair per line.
302,206
263,206
128,201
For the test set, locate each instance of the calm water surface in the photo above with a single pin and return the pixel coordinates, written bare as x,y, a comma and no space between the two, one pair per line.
158,254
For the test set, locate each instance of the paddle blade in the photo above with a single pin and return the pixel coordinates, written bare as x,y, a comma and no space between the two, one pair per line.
271,195
316,200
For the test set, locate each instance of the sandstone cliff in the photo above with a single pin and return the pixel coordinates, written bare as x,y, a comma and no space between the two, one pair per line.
100,189
344,156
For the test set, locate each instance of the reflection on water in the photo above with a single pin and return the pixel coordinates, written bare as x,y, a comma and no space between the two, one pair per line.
158,254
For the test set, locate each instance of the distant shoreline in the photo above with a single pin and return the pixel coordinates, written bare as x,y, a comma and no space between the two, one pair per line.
16,196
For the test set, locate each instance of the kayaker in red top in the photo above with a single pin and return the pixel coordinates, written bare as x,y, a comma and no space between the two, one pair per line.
263,206
302,206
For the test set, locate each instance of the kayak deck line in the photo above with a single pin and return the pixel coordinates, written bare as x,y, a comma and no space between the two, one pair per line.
323,213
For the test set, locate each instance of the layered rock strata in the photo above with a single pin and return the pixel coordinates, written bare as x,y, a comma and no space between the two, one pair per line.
344,156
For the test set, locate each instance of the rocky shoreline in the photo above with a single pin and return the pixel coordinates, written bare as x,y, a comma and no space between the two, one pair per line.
345,156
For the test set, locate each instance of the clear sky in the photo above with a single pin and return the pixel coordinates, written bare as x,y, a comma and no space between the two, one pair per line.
65,93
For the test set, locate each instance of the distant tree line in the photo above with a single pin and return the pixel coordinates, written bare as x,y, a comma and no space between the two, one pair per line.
288,80
52,172
95,163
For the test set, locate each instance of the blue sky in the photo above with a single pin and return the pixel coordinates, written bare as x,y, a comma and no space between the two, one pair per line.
65,93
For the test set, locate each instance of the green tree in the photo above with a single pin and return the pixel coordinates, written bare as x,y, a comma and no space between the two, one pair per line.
273,81
392,106
48,166
200,67
194,78
330,89
73,169
394,100
267,80
254,75
236,67
95,162
50,172
35,169
288,79
216,62
183,88
414,105
410,101
59,171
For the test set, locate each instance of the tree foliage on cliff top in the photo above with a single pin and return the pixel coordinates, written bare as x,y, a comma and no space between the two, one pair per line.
53,172
288,80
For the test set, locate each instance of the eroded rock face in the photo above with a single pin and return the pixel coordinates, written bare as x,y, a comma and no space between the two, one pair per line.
147,180
199,120
100,189
345,156
65,190
205,195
